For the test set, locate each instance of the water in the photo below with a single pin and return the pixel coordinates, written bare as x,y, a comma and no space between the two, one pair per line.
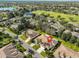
7,8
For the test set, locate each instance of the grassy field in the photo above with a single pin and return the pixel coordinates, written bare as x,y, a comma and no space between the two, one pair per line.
66,17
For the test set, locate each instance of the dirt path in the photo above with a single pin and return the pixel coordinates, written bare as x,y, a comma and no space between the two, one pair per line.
62,50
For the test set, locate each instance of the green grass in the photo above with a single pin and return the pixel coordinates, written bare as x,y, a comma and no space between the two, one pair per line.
56,14
9,30
36,46
20,48
43,54
12,31
4,42
23,37
72,46
29,42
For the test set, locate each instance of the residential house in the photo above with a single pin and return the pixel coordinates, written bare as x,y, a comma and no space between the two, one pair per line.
15,26
46,41
75,34
55,28
28,14
10,51
32,34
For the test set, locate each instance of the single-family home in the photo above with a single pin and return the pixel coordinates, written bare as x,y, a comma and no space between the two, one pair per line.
10,51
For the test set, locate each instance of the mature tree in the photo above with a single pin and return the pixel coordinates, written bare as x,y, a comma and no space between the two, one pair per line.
66,35
77,43
73,39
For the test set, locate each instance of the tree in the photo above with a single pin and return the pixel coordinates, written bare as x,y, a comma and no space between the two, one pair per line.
20,27
49,53
73,39
10,15
77,43
66,36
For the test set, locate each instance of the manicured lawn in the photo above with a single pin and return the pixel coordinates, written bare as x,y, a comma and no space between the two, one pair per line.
4,42
36,46
56,14
43,54
23,37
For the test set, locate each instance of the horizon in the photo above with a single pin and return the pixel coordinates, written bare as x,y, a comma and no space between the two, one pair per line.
39,0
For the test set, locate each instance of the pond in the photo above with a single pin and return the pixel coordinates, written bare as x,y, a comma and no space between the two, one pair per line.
7,8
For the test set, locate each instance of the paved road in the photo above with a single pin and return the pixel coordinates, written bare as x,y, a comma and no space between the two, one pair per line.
36,55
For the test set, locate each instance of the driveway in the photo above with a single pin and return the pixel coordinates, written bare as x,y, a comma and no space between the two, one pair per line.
27,46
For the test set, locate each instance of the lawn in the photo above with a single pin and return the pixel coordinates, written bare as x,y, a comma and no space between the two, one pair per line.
43,54
4,42
36,46
20,48
23,37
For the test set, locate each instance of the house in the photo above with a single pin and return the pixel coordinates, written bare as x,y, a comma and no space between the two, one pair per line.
46,41
75,34
76,29
53,28
32,34
74,26
28,14
15,26
9,51
66,35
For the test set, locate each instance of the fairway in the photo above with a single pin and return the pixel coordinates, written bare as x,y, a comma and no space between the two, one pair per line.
65,17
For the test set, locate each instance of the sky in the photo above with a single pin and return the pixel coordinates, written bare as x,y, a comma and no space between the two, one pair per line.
39,0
